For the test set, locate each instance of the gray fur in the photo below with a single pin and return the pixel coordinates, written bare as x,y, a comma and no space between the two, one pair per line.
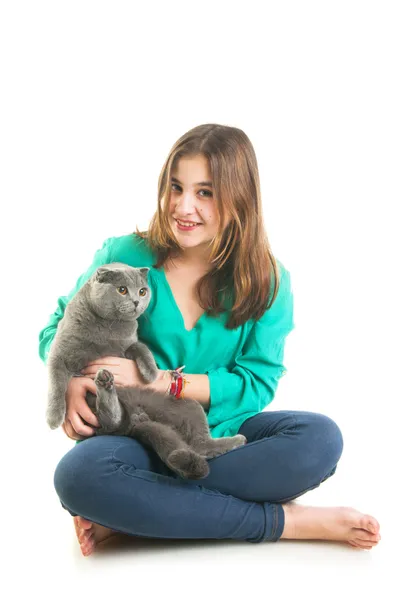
99,321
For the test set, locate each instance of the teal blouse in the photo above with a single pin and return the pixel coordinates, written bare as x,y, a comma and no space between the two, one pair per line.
244,365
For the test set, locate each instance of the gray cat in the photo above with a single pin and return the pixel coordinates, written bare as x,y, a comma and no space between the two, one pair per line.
101,320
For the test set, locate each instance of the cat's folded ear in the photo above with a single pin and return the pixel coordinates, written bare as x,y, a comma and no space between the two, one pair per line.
103,274
107,272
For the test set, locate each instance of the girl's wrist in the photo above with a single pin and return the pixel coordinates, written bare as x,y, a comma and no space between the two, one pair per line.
162,383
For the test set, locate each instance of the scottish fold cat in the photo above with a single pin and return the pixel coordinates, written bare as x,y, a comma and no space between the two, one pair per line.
101,320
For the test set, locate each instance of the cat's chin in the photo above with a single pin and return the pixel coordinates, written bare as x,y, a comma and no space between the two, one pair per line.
132,316
126,318
129,316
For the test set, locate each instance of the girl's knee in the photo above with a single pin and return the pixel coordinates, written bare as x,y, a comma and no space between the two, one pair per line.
321,449
89,468
329,434
65,479
81,472
72,475
323,440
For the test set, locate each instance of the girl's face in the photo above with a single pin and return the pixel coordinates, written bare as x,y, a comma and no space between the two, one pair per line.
192,201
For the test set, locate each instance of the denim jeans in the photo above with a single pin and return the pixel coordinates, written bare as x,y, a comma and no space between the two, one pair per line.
119,483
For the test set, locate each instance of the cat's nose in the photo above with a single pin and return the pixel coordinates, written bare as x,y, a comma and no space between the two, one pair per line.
136,303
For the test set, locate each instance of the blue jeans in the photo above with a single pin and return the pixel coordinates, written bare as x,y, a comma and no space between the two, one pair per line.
117,482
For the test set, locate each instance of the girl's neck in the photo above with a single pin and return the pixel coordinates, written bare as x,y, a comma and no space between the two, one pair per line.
188,262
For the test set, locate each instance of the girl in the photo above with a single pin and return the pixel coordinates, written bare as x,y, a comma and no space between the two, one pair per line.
221,305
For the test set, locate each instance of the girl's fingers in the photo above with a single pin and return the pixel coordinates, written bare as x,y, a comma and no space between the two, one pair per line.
88,415
92,371
79,427
70,432
117,381
89,371
90,385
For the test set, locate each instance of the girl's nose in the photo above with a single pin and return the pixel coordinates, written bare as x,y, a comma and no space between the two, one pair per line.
186,202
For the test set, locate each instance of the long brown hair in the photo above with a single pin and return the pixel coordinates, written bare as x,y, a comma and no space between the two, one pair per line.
243,267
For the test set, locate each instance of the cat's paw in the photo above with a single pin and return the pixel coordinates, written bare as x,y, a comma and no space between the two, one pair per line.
139,416
104,379
149,372
149,375
55,416
188,464
239,440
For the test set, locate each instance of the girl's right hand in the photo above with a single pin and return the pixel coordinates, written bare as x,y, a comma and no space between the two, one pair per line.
77,408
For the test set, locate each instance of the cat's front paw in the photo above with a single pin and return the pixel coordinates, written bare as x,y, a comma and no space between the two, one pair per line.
55,416
104,379
149,372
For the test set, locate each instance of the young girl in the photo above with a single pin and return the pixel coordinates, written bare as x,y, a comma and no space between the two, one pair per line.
221,305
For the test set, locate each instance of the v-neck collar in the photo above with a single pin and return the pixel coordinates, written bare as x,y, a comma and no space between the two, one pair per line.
162,273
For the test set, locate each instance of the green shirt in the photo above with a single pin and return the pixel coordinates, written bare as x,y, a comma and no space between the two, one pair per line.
244,365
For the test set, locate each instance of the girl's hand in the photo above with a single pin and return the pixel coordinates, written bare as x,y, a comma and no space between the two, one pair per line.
124,370
78,409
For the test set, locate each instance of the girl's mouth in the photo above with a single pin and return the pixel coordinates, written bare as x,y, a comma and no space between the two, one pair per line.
186,226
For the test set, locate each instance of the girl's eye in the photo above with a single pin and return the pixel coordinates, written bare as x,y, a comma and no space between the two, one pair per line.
122,290
207,192
142,292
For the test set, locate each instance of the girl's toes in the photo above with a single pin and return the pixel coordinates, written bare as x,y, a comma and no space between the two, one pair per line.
354,545
364,546
87,547
365,543
84,523
85,536
364,535
370,524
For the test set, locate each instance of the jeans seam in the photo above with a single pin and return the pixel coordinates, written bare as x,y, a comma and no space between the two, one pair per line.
138,475
115,461
275,521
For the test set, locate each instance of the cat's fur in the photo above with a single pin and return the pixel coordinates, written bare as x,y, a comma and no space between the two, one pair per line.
99,321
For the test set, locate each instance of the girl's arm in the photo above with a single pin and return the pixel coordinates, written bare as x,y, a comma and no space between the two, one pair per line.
250,385
198,387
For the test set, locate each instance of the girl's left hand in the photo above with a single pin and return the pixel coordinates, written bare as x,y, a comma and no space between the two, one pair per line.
124,370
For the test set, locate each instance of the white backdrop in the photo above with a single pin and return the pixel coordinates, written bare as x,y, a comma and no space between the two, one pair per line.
93,96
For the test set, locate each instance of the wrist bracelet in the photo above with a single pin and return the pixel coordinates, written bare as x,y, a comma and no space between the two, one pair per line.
177,383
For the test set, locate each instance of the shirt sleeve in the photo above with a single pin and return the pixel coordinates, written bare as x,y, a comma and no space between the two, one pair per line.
251,384
47,334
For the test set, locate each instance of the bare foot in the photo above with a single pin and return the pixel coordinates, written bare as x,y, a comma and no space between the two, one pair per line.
90,534
337,523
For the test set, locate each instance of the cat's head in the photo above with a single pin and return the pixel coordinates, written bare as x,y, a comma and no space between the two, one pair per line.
118,291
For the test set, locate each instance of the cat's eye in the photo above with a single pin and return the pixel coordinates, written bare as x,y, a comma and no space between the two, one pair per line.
122,290
143,292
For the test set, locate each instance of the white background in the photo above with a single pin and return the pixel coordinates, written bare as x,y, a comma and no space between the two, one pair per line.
93,96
